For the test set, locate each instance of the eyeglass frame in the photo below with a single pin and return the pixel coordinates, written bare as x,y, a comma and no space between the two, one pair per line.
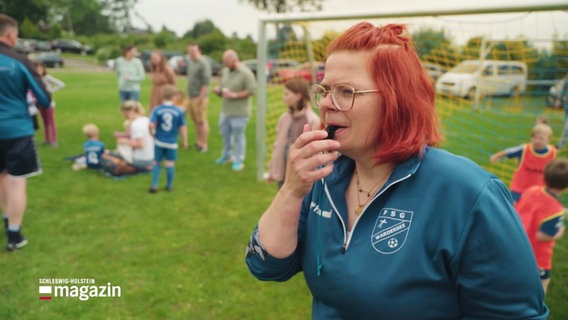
327,91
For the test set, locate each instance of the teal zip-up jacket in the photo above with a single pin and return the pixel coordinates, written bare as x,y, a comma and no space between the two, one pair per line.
440,240
17,77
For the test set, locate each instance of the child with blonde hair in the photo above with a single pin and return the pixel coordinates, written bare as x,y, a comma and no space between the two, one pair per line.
533,158
93,148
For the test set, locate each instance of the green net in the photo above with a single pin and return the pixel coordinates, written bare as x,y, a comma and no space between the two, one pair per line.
513,64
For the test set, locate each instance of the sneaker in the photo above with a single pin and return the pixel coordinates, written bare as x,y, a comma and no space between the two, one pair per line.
222,160
152,190
237,166
15,241
168,189
201,149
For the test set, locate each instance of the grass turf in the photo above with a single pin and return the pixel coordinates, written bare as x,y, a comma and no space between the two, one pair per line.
177,255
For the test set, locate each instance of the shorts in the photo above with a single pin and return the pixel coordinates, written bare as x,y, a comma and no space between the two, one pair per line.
544,273
198,111
18,157
161,153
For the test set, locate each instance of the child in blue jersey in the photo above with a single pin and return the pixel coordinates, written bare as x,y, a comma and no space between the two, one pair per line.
94,148
168,121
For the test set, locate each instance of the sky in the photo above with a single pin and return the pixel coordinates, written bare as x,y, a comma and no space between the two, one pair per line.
240,17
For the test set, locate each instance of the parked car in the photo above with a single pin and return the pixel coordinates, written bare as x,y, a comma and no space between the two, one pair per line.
301,71
488,77
271,65
434,70
216,67
145,57
43,45
555,91
70,45
24,46
179,64
50,59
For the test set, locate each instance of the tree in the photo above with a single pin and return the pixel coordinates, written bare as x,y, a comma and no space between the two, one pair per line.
119,12
279,6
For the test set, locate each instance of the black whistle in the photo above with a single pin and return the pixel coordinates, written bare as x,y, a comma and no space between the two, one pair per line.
330,132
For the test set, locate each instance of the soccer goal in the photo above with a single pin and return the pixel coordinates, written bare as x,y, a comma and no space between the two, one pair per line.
512,54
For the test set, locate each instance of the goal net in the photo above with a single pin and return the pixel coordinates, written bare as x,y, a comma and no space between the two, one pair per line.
493,69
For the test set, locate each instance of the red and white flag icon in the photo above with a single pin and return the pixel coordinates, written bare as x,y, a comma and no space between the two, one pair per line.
45,292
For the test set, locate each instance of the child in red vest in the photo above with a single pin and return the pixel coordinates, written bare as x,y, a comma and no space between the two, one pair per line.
533,158
542,215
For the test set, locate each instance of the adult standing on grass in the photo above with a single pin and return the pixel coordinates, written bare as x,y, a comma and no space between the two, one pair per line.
130,72
162,74
383,224
237,86
18,156
198,79
562,101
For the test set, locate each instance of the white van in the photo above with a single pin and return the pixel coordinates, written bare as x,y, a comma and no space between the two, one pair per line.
488,77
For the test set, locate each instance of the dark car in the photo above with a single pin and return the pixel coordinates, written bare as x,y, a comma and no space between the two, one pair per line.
43,45
69,45
50,59
216,67
272,65
179,64
145,57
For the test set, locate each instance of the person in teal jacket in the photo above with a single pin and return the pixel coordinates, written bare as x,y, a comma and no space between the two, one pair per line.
19,159
382,223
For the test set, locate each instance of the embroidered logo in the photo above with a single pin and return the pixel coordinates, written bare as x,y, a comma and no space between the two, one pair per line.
391,230
319,211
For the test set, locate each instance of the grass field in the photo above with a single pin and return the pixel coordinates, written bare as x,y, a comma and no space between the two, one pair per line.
176,255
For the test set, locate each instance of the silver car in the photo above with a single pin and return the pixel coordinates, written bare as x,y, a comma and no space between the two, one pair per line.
555,91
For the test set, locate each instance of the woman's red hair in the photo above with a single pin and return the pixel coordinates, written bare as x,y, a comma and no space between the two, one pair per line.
408,121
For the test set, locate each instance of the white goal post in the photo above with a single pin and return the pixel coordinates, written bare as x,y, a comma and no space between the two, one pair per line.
455,9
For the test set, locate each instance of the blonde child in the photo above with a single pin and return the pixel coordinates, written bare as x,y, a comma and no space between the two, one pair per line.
533,158
542,214
290,125
93,147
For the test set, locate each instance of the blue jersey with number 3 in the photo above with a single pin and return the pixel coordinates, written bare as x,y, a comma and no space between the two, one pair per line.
168,119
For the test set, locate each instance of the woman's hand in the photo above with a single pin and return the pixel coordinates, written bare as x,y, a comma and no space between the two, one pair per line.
309,159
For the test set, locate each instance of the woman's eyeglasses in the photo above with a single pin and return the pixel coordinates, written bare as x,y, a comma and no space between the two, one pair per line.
342,95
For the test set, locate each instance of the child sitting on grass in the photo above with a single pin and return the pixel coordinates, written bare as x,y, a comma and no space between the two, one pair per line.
93,150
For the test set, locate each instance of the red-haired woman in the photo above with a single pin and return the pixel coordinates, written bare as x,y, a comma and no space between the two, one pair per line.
383,224
162,74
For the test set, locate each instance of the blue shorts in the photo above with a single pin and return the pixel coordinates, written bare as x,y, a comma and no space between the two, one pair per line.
129,95
18,157
161,153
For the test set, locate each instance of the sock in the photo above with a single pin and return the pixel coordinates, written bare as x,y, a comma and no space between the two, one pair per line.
5,222
170,172
156,175
13,228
